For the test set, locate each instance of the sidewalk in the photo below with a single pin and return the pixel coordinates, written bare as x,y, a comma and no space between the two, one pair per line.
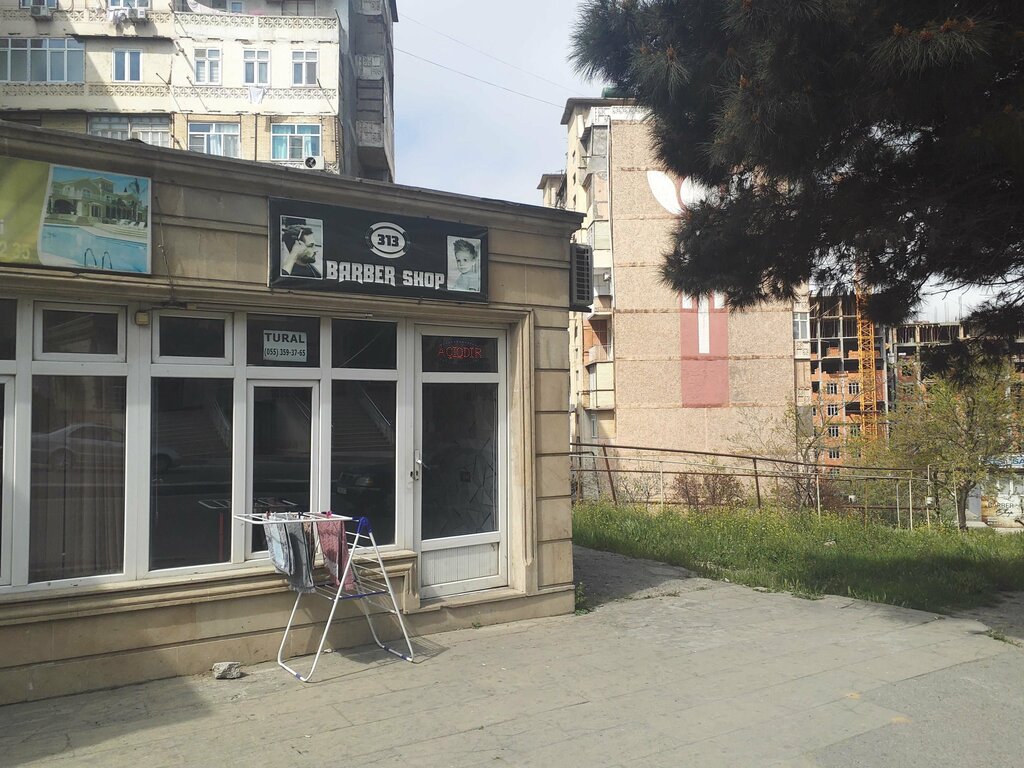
668,670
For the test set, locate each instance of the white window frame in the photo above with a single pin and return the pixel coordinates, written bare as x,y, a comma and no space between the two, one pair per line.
172,360
206,77
832,409
127,4
304,61
7,472
853,388
126,53
291,136
831,388
801,326
51,4
255,61
834,453
206,145
833,430
107,309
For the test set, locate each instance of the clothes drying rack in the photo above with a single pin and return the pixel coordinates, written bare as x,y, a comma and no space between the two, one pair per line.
364,573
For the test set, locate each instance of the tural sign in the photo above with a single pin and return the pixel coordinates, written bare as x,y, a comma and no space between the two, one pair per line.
284,345
73,218
329,248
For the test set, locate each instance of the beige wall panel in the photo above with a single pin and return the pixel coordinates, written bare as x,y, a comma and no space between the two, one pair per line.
554,563
647,334
642,241
506,283
528,245
554,519
761,381
75,123
663,427
763,331
551,390
552,318
25,644
630,145
633,199
647,382
642,287
547,286
552,432
552,350
552,476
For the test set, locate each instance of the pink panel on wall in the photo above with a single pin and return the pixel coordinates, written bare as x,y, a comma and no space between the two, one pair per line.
704,352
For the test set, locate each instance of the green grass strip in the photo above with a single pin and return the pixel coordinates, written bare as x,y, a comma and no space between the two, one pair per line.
937,569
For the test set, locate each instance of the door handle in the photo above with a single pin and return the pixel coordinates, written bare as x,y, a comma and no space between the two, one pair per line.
418,465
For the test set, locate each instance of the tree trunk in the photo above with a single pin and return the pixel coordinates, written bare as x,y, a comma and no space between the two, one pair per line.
961,507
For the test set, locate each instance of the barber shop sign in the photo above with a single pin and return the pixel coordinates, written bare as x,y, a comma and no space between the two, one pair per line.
346,250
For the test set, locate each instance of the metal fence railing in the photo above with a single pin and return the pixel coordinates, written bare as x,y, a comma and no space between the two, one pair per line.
704,480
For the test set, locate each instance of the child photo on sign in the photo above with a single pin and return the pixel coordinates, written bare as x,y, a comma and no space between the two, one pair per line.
302,248
463,264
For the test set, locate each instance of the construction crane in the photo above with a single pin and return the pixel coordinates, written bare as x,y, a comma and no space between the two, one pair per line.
868,368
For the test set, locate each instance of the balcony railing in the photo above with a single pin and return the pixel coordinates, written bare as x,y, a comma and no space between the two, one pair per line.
599,353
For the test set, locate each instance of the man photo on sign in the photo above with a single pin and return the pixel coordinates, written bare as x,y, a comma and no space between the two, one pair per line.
301,254
463,264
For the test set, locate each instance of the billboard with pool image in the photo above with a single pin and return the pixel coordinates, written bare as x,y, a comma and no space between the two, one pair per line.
73,218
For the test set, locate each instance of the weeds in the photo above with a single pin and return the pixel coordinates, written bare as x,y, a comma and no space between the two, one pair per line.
582,602
930,569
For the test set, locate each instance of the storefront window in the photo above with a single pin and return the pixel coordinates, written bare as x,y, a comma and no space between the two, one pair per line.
71,332
365,344
283,341
192,337
363,454
460,459
456,354
190,471
8,335
77,497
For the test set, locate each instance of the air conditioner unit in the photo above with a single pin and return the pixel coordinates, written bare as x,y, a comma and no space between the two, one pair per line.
315,162
139,14
581,278
41,11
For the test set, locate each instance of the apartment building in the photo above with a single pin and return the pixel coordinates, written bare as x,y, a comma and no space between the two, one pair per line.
648,366
293,82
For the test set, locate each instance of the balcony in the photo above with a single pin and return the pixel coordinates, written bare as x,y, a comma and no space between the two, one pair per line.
598,399
599,353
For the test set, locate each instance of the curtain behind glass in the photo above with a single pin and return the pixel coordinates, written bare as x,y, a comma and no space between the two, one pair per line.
190,473
77,500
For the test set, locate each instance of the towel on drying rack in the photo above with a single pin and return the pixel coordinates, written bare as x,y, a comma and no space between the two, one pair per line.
335,548
290,545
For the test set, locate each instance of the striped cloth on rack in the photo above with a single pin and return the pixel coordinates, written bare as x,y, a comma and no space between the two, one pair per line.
335,548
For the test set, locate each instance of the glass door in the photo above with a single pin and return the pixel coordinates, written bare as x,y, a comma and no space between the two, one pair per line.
283,440
458,461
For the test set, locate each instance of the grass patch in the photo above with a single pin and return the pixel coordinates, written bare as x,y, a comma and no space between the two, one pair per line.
935,569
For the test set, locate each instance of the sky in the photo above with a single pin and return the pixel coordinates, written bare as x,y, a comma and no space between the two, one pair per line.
458,135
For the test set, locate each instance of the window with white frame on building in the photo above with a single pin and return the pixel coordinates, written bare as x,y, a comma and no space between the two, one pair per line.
215,138
208,66
256,66
801,326
855,430
231,6
832,409
42,60
854,388
127,66
304,67
52,4
127,3
152,129
294,141
831,388
833,431
833,453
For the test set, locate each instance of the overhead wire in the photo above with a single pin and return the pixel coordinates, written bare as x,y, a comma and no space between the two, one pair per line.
575,91
480,80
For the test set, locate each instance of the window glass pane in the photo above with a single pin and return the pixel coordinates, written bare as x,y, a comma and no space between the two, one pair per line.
460,459
56,66
278,340
19,66
459,354
191,337
37,63
76,66
76,509
8,335
190,473
80,333
363,454
135,70
119,65
364,344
